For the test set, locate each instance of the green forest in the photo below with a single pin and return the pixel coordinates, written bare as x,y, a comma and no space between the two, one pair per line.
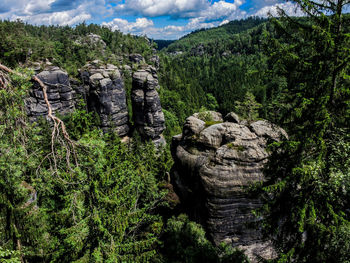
82,195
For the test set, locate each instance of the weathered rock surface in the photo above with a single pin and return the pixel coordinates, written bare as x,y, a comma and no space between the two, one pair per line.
59,92
155,60
214,166
105,94
147,111
92,40
136,58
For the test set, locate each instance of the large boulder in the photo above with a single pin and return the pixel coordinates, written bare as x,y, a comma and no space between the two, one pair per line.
105,94
59,93
147,111
215,163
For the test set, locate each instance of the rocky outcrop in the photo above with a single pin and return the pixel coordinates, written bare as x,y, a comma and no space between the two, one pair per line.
92,40
198,50
147,111
105,94
59,92
215,163
136,58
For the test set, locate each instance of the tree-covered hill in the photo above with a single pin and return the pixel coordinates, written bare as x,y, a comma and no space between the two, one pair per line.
67,47
215,35
217,69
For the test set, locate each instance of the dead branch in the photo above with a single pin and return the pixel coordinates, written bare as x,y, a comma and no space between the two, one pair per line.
58,125
4,68
57,122
4,78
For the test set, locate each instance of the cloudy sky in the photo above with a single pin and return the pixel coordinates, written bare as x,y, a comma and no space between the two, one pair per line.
159,19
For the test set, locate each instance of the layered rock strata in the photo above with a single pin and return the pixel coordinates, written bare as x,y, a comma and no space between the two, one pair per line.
105,94
214,166
147,111
59,92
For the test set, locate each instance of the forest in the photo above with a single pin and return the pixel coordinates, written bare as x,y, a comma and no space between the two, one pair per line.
84,195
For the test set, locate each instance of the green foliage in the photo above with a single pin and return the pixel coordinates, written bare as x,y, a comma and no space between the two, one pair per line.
67,47
307,198
214,36
185,241
9,256
80,121
101,210
249,108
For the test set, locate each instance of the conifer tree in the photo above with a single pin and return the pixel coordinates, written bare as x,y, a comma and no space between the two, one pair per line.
307,194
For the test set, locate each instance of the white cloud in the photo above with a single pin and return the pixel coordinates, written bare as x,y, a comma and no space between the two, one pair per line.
125,26
65,12
220,10
153,8
290,9
69,18
144,26
224,22
180,8
198,13
37,6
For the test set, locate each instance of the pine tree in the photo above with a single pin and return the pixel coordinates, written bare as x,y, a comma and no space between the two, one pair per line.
307,194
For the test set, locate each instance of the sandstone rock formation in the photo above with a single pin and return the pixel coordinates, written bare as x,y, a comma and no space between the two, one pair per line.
155,60
59,91
92,40
105,94
136,58
214,165
147,111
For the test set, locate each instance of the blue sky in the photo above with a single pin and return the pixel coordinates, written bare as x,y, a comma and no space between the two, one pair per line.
159,19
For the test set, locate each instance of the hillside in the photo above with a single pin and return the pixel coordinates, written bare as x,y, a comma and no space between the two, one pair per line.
216,70
67,47
212,36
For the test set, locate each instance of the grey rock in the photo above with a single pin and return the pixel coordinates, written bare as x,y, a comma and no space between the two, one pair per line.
96,77
136,58
105,94
192,126
156,61
209,116
266,129
59,90
148,115
213,168
232,117
198,50
91,40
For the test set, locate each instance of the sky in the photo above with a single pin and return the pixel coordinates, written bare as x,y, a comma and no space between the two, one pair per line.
157,19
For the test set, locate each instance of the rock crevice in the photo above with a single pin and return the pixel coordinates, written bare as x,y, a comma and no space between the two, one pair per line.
105,93
147,111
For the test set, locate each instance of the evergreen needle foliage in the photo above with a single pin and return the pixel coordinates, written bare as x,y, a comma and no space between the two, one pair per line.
307,194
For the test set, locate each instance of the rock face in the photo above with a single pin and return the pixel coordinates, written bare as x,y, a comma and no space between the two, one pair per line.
136,58
105,94
147,111
213,167
155,60
92,40
59,92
